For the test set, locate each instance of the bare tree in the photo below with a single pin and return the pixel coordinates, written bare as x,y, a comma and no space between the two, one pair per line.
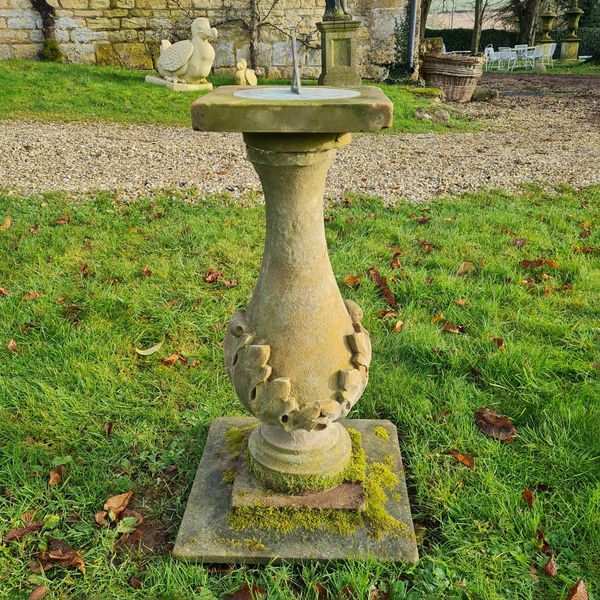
425,7
525,14
480,8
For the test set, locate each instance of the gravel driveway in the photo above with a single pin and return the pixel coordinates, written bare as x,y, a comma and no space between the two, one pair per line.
542,129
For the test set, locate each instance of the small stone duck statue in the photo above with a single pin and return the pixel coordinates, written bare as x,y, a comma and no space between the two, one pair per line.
243,75
188,61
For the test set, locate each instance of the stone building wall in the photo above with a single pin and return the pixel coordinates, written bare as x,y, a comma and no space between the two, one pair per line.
127,32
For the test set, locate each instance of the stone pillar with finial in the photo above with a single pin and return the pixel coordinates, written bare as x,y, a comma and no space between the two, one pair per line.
569,47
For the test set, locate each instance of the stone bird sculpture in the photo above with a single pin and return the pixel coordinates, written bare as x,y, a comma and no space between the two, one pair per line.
188,61
243,75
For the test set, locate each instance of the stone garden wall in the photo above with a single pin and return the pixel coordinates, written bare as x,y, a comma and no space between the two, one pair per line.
127,32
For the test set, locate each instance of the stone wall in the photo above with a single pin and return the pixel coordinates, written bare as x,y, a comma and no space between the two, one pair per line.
127,32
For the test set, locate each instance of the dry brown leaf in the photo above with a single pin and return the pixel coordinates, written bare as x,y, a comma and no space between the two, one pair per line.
528,496
62,220
31,295
320,590
498,341
7,224
169,361
465,459
586,250
398,326
135,583
428,247
146,272
4,292
550,567
423,220
37,593
352,281
386,313
395,262
100,518
115,505
11,346
453,328
545,547
460,301
151,350
518,242
381,283
465,268
578,592
494,425
84,270
247,592
56,475
437,318
528,281
212,276
231,283
27,517
21,532
59,555
538,262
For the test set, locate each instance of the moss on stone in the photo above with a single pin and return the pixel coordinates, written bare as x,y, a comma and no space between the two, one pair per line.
294,484
229,475
382,433
250,543
236,437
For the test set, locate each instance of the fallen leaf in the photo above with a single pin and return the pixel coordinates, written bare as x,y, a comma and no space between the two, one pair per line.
21,532
538,262
115,505
11,346
386,313
351,281
508,231
27,326
395,262
465,268
100,518
533,572
585,233
578,592
382,286
498,341
494,425
37,593
465,459
453,328
151,350
212,276
31,295
56,475
528,496
247,592
62,220
321,591
428,247
550,567
231,283
460,301
4,292
27,517
169,361
423,220
108,427
545,547
135,583
59,555
437,318
84,270
7,224
518,242
528,281
398,326
146,272
586,250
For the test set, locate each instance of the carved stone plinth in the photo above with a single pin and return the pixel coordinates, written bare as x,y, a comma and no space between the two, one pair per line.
339,64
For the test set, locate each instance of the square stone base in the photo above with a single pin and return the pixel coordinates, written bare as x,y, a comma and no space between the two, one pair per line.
339,66
205,534
178,87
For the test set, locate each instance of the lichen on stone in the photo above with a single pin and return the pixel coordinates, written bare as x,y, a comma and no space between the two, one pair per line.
382,433
229,475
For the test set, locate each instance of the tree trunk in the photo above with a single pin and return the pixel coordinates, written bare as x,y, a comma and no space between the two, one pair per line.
425,6
254,33
479,8
47,13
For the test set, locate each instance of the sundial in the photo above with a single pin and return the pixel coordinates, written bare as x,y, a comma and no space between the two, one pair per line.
298,360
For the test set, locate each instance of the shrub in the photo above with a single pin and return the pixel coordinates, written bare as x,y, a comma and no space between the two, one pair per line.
51,51
590,41
460,39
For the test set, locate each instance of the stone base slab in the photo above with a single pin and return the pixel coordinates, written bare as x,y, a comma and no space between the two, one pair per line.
178,87
205,534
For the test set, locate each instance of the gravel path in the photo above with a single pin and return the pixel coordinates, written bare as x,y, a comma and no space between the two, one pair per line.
541,129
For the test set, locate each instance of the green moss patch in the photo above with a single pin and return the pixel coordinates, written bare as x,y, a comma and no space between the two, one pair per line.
382,433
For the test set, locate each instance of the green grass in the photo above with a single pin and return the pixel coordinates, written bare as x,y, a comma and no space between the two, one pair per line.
64,92
567,67
76,370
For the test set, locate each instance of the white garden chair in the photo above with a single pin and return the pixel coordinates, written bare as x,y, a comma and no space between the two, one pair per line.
546,58
508,58
521,54
492,58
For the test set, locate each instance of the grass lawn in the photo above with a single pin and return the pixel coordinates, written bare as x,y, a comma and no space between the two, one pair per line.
62,92
567,67
110,277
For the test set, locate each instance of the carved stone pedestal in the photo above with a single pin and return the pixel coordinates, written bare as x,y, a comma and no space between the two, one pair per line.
339,65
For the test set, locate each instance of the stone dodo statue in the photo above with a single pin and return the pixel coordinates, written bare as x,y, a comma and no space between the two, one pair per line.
243,75
188,61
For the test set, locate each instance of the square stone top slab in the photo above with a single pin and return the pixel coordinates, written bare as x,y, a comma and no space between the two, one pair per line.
274,109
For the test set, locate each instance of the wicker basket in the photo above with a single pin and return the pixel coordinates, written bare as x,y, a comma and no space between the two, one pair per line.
455,74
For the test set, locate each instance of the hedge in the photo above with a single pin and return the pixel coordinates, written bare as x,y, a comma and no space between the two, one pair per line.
460,39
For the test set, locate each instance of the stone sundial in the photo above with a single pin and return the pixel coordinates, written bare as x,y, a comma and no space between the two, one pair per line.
298,358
